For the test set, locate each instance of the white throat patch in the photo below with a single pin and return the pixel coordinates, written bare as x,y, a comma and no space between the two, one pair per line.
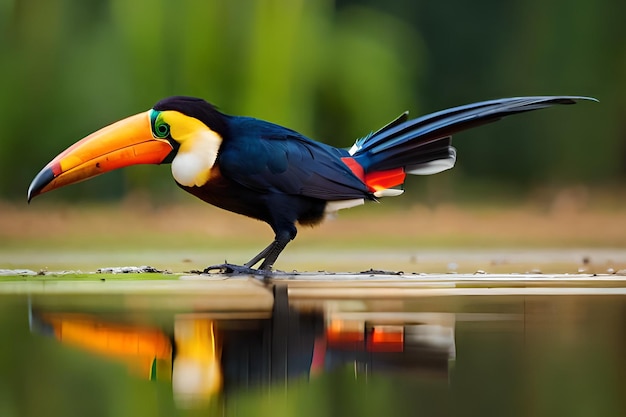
195,158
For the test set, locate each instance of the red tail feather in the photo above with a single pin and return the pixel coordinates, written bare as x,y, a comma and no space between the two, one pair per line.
382,180
378,180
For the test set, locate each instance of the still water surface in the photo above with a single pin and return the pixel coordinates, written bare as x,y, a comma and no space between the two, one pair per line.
290,350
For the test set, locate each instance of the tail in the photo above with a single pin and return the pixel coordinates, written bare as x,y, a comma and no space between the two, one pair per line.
423,146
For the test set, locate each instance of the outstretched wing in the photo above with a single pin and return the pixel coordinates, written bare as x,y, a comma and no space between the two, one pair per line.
270,158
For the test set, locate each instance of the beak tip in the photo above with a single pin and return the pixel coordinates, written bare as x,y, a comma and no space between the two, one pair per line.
31,193
42,179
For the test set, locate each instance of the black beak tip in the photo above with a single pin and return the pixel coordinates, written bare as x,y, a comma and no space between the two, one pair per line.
42,179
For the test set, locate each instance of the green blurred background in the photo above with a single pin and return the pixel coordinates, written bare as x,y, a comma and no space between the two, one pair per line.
333,70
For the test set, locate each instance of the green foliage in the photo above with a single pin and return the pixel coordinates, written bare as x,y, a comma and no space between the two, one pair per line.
334,71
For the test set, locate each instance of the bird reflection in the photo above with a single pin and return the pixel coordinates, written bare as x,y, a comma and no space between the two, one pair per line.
207,354
196,372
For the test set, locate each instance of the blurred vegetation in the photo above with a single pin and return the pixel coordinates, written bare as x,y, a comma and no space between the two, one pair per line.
333,70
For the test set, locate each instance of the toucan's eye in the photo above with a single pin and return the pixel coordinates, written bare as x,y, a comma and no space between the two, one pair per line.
160,128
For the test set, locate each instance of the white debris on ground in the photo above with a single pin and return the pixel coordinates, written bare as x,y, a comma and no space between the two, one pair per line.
130,270
30,272
16,272
109,270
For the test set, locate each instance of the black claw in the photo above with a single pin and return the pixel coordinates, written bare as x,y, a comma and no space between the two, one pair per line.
231,269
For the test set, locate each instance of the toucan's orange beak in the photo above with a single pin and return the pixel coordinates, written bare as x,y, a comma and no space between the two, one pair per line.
127,142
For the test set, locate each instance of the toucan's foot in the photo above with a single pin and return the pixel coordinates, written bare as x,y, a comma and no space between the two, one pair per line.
232,269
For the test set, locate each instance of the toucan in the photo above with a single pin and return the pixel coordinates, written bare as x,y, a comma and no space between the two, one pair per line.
269,172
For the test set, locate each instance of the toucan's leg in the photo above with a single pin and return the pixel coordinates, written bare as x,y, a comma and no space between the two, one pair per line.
260,255
272,252
268,255
246,268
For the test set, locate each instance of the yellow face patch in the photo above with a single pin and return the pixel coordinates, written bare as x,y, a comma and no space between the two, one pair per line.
198,149
181,128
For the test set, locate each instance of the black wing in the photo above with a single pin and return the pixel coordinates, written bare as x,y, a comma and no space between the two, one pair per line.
269,158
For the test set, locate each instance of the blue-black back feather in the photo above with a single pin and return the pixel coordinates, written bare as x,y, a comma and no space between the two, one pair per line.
266,157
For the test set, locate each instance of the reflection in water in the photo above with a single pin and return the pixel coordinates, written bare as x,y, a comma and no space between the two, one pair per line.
196,373
204,354
523,353
147,351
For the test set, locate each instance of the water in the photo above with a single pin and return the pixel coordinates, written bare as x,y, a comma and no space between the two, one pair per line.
533,350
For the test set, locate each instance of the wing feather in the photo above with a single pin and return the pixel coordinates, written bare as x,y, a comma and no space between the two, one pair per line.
269,158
